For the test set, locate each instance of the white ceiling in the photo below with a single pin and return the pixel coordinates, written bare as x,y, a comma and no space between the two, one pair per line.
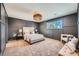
48,10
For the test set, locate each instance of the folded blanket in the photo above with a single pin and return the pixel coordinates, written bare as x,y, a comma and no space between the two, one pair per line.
71,46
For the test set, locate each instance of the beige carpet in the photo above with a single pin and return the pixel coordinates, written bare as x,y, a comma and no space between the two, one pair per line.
48,47
16,43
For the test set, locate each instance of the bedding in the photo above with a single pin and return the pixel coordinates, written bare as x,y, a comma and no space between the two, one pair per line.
32,38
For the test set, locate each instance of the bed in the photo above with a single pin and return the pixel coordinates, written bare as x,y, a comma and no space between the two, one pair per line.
30,36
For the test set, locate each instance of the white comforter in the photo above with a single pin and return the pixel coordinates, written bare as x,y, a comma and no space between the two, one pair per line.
34,37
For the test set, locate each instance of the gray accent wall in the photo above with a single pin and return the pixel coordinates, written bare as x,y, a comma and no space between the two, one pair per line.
69,27
15,24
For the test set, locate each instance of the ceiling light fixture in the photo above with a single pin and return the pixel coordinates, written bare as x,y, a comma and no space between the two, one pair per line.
37,17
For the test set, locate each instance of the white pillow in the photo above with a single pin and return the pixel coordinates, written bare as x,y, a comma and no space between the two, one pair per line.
74,41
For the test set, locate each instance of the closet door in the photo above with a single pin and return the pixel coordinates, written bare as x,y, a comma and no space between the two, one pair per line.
78,20
2,14
0,37
2,28
6,28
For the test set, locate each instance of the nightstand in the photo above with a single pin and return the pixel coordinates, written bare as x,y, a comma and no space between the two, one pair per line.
19,36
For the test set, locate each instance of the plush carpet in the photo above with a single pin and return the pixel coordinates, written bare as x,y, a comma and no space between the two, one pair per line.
48,47
16,43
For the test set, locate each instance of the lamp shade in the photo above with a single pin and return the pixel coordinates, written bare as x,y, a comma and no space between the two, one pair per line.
20,30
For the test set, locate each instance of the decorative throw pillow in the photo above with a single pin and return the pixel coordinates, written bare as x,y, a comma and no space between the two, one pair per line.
74,41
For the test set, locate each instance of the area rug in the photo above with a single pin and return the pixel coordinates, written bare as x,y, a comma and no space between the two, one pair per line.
48,47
